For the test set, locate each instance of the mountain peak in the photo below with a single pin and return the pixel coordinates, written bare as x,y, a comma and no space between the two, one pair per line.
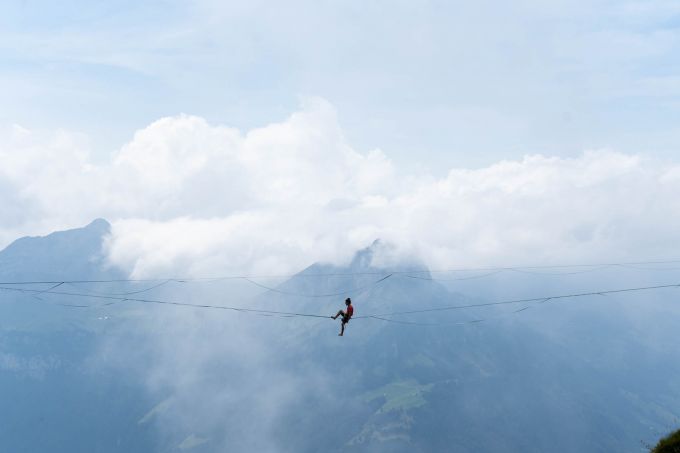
99,225
378,257
384,255
363,259
76,253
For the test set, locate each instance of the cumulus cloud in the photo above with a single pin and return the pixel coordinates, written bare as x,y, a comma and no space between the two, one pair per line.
189,197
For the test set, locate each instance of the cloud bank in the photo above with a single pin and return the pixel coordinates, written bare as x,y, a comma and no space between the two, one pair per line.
188,197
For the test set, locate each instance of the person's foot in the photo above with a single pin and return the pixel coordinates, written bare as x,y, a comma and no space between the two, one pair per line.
334,317
339,334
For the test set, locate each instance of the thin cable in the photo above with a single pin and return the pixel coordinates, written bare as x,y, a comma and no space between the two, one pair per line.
129,293
382,317
345,274
458,323
353,291
516,301
634,266
53,287
488,274
416,323
166,302
524,271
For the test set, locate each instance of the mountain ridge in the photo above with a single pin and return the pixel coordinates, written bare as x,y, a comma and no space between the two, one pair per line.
560,378
76,254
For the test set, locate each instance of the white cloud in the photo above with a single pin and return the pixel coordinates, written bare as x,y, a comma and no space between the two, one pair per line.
188,197
408,76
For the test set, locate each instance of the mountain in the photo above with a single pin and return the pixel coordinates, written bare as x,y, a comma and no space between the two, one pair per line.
65,255
76,254
52,397
596,375
560,377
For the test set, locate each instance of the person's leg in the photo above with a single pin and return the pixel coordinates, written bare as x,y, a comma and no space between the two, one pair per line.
342,328
339,313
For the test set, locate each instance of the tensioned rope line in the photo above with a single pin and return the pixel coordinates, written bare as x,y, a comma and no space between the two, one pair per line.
286,315
353,291
431,324
473,277
522,271
458,323
635,266
517,301
165,302
382,317
525,271
631,264
127,293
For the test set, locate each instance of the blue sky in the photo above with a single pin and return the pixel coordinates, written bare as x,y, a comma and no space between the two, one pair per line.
465,133
434,84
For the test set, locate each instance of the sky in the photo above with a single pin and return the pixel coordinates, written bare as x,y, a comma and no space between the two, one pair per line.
251,137
435,83
262,135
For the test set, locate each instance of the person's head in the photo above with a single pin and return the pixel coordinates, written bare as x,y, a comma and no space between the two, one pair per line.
348,301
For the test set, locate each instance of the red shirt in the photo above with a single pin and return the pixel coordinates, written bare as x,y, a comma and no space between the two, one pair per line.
350,311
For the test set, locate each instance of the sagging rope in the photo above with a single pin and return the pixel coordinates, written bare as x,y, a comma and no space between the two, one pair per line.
379,316
490,270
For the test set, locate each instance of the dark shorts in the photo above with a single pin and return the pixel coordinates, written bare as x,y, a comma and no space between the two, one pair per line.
345,319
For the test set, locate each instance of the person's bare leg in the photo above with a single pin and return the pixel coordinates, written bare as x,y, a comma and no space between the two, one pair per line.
342,329
339,313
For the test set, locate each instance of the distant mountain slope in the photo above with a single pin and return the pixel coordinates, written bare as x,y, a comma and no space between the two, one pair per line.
595,377
559,378
76,254
73,254
52,396
374,287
